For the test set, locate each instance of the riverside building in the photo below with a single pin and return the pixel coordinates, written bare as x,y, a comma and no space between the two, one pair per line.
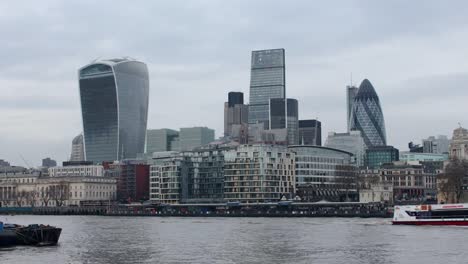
114,102
189,177
17,190
324,174
259,173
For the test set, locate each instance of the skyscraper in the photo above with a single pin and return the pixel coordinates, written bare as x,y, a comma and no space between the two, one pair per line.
267,80
367,116
77,151
310,132
235,112
284,114
114,103
351,92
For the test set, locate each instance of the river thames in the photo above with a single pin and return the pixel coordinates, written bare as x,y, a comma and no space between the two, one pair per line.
101,239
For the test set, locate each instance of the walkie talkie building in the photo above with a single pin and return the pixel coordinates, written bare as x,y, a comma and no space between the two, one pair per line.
114,103
367,116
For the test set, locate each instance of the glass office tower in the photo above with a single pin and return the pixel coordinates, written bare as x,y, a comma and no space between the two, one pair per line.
284,114
367,116
114,102
267,80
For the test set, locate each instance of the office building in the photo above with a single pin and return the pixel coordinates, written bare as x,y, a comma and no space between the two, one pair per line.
284,114
351,142
324,174
267,80
48,162
235,113
439,144
77,151
367,116
114,101
351,92
379,155
159,140
193,137
310,132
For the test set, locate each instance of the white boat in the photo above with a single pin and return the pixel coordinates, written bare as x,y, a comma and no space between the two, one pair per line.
435,214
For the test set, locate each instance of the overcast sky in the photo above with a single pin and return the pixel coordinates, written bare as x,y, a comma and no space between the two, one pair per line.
415,53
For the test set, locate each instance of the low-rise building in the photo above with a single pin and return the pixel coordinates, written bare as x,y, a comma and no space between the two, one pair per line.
410,182
29,190
377,192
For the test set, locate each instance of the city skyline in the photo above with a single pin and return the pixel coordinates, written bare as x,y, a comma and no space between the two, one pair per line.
41,112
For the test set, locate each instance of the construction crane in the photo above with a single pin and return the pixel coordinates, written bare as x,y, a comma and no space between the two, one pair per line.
25,162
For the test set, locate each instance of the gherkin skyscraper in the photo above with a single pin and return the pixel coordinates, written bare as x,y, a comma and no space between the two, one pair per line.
367,116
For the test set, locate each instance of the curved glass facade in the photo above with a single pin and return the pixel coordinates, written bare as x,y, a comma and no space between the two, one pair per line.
114,103
324,173
367,116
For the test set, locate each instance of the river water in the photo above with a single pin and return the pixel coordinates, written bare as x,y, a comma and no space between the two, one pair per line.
101,239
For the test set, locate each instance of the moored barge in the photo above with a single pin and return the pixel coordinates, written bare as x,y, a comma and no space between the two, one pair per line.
437,214
31,235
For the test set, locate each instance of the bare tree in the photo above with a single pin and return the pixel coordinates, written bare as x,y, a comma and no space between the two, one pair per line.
31,197
18,197
60,193
452,181
46,195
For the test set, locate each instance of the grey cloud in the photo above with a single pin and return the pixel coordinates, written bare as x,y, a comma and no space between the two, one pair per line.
197,51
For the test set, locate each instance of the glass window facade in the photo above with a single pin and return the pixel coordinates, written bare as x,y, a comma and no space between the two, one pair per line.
377,156
267,81
323,173
310,132
367,116
114,103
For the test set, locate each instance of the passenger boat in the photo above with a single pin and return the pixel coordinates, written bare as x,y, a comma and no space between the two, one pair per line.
31,235
436,214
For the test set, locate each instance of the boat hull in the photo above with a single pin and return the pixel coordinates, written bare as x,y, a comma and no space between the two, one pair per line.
440,223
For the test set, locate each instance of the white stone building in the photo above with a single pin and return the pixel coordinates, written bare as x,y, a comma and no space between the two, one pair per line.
29,190
459,144
81,170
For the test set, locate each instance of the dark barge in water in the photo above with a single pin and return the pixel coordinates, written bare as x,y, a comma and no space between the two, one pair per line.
31,235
